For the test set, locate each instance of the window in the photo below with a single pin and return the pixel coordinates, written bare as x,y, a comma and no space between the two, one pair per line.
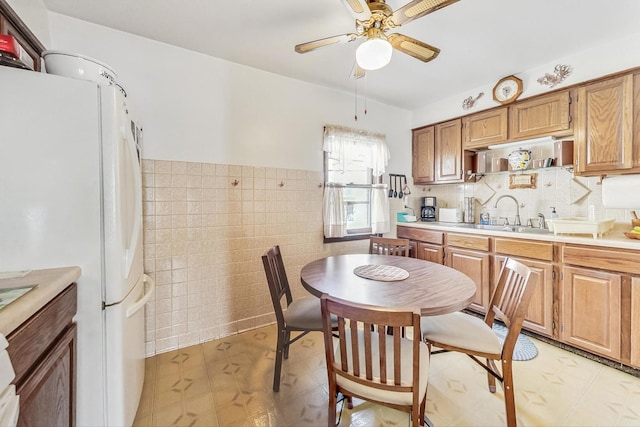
354,162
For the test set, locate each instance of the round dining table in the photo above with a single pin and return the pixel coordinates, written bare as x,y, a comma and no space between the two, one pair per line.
397,282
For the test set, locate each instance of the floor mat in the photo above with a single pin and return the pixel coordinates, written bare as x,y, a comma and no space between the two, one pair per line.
525,349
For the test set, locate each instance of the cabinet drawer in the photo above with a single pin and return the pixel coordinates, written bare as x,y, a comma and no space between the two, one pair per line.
422,235
29,342
524,248
479,243
604,259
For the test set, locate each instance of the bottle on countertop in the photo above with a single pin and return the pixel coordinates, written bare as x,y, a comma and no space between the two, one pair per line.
485,217
554,214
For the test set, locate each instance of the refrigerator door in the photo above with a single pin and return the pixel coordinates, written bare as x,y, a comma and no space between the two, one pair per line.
50,202
125,353
122,186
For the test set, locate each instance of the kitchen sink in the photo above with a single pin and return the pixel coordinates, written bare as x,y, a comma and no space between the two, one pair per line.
507,228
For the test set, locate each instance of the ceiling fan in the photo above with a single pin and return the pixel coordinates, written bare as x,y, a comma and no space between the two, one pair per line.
373,19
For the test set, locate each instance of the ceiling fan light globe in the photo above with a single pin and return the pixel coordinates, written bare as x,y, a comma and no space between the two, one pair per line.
374,54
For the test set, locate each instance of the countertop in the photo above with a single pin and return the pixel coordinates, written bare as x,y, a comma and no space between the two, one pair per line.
614,238
50,282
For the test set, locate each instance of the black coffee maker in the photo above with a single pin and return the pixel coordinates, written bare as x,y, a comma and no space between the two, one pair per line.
429,206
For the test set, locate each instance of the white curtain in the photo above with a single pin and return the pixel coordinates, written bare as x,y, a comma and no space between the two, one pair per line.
334,216
379,209
339,143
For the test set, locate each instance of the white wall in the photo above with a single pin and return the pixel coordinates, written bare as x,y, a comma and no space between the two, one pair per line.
589,64
35,16
198,108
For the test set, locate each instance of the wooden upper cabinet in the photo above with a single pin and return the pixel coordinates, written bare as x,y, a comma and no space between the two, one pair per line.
541,116
423,151
448,151
604,126
482,129
635,149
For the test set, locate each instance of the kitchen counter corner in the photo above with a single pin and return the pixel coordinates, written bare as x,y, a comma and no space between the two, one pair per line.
50,282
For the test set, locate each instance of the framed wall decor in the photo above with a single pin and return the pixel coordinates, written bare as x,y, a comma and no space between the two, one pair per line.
525,180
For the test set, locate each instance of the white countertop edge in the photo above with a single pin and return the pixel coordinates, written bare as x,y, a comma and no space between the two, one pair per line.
614,238
50,283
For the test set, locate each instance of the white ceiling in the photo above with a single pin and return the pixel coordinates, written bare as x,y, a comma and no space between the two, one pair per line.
481,40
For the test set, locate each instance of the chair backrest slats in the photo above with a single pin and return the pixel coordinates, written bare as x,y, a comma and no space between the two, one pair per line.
277,281
367,330
389,246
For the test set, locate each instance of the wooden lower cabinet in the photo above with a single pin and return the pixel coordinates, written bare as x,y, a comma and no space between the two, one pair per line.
635,321
43,354
539,318
429,252
474,264
590,310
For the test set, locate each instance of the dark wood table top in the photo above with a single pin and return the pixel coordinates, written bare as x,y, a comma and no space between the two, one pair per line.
434,288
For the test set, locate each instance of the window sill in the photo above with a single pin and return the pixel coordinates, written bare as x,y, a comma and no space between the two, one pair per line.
347,238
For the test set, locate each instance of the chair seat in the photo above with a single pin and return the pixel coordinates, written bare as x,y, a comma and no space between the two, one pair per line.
304,313
406,367
461,330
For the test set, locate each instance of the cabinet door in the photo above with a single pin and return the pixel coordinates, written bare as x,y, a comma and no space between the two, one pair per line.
482,129
635,149
590,310
476,265
539,316
541,116
604,123
423,150
635,321
428,252
448,151
47,396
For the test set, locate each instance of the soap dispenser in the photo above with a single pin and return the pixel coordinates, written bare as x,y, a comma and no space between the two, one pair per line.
554,214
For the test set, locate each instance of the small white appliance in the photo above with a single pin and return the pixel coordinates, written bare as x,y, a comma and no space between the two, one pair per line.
449,215
71,194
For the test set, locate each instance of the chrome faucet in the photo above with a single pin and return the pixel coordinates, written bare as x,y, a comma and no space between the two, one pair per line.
543,222
517,219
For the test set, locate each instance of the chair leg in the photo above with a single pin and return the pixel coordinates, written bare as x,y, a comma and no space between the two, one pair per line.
509,398
287,339
278,365
491,379
333,402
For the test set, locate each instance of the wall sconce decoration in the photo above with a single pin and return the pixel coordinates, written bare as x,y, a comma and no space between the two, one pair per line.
471,101
561,72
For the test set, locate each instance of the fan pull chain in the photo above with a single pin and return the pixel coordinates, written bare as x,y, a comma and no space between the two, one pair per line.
355,117
365,94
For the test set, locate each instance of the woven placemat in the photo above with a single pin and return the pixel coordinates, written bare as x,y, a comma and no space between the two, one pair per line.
385,273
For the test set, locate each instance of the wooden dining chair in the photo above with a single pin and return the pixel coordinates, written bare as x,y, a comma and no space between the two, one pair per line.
367,363
389,246
475,337
299,315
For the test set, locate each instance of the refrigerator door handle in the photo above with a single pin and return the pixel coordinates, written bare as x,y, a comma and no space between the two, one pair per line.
143,300
130,253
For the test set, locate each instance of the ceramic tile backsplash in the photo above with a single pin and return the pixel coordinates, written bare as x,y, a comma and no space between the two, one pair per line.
555,187
205,229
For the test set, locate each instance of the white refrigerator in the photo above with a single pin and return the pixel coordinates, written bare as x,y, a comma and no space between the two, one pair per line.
71,194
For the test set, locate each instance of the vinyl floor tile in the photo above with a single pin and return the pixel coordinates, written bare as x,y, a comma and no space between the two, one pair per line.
228,382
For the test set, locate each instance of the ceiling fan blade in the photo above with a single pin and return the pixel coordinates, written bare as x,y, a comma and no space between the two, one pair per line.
357,72
309,46
417,9
413,47
359,9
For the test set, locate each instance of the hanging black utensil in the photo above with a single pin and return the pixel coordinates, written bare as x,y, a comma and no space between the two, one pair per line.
390,187
400,193
395,186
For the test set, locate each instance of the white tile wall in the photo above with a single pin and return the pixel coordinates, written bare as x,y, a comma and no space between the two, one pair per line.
555,186
204,237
